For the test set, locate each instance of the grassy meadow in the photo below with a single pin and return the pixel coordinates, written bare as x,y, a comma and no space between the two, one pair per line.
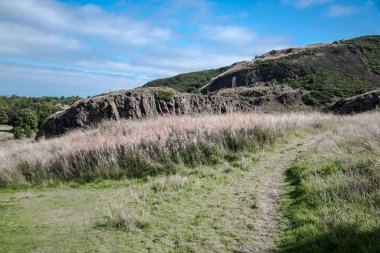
194,184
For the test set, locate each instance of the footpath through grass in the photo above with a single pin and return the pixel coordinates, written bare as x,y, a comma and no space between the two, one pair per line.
206,209
334,203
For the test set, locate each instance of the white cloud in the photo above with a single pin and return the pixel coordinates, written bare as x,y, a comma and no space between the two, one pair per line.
341,10
45,81
88,42
306,3
25,40
229,34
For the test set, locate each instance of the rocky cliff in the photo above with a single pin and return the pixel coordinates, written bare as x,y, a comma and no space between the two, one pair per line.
135,104
360,103
311,77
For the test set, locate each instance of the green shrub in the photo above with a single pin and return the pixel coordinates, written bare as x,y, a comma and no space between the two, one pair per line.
17,132
165,95
3,115
232,157
28,131
24,121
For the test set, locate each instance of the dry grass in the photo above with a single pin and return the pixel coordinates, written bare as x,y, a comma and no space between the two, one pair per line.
130,209
98,147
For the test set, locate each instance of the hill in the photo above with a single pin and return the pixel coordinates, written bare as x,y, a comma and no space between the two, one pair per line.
327,72
294,79
188,82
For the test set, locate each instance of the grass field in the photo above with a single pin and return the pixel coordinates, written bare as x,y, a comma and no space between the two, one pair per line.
302,183
334,203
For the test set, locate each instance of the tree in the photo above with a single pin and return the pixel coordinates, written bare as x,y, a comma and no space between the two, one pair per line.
3,115
23,121
3,110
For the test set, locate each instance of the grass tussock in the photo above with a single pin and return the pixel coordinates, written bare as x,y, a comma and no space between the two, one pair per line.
335,198
131,210
135,149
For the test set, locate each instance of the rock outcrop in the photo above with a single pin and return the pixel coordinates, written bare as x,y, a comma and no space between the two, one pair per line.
135,104
360,103
282,66
261,95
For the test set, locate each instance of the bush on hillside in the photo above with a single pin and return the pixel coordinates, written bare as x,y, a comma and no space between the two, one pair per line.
165,95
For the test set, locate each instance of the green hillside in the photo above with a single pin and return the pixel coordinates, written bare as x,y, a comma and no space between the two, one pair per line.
327,71
188,82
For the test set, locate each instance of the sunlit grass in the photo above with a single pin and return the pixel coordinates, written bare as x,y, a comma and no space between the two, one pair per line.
335,196
120,149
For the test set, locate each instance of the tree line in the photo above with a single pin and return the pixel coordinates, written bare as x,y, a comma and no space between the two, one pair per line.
26,114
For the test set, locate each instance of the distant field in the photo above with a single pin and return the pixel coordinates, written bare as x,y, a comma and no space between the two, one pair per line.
5,132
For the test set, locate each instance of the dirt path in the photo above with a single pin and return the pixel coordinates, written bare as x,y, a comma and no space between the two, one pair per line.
270,191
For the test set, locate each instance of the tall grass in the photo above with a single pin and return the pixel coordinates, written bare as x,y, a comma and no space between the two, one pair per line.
335,201
118,149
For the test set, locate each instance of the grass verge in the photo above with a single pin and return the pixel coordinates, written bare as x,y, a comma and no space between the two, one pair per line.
334,203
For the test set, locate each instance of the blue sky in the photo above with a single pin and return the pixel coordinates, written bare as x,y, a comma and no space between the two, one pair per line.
86,47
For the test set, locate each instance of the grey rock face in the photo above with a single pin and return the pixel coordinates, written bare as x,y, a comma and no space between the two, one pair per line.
360,103
135,104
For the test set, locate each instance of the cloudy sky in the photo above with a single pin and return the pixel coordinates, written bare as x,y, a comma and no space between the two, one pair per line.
86,47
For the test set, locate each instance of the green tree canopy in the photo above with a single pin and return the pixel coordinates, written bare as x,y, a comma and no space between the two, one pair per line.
23,118
24,121
3,110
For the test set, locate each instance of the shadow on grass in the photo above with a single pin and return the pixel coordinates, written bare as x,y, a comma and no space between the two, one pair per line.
342,239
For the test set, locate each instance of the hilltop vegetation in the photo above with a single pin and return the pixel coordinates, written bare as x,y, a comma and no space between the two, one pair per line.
327,72
372,52
188,82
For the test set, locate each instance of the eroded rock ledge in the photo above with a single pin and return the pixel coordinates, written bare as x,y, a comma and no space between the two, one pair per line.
360,103
135,104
